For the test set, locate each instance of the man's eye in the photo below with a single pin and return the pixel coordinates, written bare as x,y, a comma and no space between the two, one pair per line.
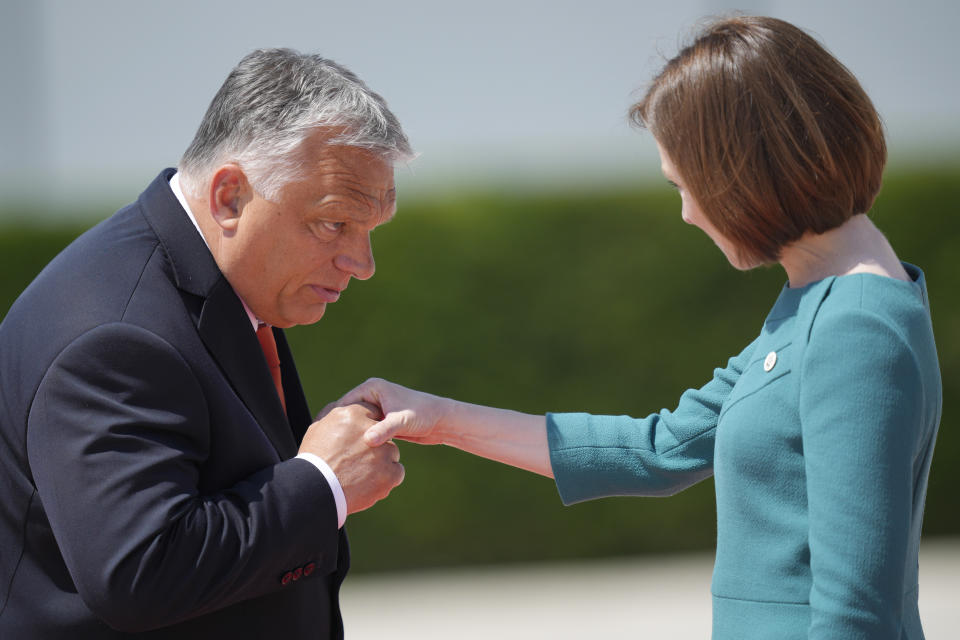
331,227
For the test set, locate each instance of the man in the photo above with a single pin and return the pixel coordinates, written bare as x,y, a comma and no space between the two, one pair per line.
160,473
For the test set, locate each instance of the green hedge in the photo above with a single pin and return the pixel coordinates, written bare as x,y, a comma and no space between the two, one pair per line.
601,302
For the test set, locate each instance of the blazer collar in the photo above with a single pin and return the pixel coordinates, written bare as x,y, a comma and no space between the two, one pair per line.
194,269
222,322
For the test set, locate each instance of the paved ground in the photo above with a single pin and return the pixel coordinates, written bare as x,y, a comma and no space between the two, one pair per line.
661,597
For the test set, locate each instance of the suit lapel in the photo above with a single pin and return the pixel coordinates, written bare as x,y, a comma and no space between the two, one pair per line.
223,324
226,331
298,412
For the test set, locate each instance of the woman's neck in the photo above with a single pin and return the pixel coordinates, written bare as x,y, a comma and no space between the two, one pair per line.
856,246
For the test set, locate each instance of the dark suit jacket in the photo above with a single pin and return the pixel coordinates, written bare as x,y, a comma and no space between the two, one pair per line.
147,479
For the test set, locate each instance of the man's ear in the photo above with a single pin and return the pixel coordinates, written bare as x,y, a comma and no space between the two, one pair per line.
229,190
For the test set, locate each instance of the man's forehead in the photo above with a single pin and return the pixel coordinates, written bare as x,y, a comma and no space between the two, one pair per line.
372,174
317,150
343,164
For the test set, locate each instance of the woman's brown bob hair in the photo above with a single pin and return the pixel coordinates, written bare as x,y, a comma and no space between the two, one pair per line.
772,136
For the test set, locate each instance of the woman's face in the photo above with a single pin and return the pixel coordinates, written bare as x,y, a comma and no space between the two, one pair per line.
691,213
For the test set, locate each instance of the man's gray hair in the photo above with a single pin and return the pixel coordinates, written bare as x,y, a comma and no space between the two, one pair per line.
270,103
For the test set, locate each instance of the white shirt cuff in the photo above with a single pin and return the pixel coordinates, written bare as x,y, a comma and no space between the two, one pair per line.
338,497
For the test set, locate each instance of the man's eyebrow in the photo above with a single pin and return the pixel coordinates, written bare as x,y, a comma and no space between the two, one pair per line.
391,202
389,197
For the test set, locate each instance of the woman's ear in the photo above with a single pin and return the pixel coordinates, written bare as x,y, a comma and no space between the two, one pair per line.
229,190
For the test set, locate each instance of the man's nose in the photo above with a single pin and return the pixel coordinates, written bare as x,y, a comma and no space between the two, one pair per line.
357,259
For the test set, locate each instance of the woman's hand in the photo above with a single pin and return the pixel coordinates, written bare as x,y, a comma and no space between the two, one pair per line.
517,439
407,414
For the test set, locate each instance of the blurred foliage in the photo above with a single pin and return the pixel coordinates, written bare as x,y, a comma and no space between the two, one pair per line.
600,302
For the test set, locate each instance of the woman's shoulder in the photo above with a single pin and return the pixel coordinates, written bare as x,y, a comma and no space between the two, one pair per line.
868,318
892,300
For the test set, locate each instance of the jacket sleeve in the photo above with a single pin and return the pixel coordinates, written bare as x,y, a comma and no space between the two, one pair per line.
861,411
666,452
117,435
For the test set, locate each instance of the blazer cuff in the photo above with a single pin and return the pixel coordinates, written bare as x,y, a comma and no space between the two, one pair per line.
338,496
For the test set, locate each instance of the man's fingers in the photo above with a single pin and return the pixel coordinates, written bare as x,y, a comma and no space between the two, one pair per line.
327,409
394,451
373,411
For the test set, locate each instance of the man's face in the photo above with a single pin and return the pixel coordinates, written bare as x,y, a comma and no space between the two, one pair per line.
289,258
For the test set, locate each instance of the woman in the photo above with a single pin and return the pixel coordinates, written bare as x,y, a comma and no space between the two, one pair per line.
820,432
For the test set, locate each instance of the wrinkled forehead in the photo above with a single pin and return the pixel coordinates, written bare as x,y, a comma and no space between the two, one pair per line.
350,182
349,164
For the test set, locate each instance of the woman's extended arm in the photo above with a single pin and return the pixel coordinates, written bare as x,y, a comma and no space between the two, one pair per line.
589,456
511,437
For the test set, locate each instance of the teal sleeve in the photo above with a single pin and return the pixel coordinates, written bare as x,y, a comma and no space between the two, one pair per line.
599,456
861,407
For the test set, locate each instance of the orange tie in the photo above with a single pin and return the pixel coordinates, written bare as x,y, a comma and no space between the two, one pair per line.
269,346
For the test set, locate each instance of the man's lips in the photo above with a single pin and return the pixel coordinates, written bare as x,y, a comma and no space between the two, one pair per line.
326,294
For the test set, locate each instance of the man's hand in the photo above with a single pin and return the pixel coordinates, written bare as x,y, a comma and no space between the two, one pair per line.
407,414
511,437
367,474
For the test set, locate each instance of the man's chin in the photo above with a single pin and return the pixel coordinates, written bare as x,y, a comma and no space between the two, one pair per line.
300,317
313,316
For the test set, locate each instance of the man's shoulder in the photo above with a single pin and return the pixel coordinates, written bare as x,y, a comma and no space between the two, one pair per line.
102,260
89,283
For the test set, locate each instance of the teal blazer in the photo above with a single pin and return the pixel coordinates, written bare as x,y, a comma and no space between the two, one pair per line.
819,436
